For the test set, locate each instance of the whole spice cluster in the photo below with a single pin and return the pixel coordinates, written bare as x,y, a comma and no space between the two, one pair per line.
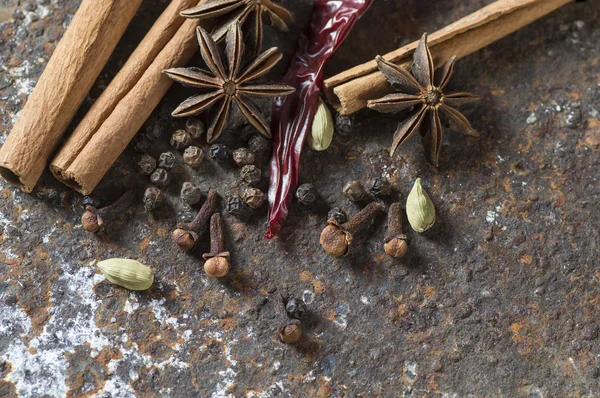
338,236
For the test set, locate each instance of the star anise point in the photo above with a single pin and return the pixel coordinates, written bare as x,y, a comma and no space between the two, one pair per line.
421,94
228,85
244,12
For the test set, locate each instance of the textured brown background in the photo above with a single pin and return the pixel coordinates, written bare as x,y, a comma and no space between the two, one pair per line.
500,298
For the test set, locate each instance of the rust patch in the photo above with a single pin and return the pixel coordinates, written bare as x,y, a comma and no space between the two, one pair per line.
7,390
86,375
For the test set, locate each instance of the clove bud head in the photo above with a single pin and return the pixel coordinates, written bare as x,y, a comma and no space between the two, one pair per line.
185,240
91,221
217,265
335,240
290,333
396,246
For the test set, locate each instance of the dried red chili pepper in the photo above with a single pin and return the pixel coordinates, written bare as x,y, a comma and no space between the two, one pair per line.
292,116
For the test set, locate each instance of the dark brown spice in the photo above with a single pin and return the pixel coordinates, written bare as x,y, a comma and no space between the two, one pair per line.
243,157
94,219
336,239
193,156
354,191
253,197
167,160
153,199
160,177
228,87
259,145
181,139
232,12
422,92
146,165
251,174
186,235
296,308
219,153
191,193
380,187
289,331
338,215
395,242
195,127
237,207
217,261
307,194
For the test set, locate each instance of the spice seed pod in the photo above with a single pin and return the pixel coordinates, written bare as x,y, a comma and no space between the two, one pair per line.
129,274
321,133
419,208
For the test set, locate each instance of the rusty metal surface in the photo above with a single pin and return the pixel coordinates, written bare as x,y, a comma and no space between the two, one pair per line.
500,298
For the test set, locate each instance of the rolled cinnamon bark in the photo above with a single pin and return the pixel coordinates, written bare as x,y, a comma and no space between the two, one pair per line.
155,40
349,91
118,129
76,63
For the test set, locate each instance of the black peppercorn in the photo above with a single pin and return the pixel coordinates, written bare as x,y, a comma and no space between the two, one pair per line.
253,197
153,199
181,139
160,177
166,160
146,165
93,201
236,206
343,124
296,308
306,194
141,143
193,156
251,174
247,132
338,215
354,191
191,194
154,131
243,157
195,127
219,152
380,187
259,145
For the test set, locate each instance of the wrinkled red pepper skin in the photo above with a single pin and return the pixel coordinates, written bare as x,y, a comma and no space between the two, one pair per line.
292,116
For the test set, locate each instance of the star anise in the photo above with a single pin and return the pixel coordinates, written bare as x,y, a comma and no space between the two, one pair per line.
421,93
228,86
231,12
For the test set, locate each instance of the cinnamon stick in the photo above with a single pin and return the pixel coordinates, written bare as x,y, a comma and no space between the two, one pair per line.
104,147
155,40
76,63
349,91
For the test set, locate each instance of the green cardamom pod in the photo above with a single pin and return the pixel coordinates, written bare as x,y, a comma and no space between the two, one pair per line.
419,208
321,133
127,273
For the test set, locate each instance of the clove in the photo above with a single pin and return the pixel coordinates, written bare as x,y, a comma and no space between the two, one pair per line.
289,331
395,242
336,238
217,263
94,219
186,235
